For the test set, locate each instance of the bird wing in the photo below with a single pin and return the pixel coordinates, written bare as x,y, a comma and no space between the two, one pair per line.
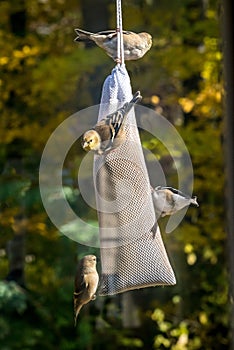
115,122
80,283
85,35
111,33
109,126
103,130
174,190
86,279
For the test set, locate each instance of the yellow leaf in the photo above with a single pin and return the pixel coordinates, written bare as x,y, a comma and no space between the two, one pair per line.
191,258
188,248
203,319
155,99
4,60
18,54
186,104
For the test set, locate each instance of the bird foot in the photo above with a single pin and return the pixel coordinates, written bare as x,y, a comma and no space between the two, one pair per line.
94,297
118,61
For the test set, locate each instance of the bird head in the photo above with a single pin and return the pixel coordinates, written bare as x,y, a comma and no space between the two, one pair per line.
89,260
91,141
148,38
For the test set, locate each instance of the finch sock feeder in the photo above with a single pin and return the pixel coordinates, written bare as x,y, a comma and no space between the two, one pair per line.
132,251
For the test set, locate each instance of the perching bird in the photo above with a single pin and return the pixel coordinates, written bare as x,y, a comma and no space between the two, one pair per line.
109,133
135,45
86,283
168,200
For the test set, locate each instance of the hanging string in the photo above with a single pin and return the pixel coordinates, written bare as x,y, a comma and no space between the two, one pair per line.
119,29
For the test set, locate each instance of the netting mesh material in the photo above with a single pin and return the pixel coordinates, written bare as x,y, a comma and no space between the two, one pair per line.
132,251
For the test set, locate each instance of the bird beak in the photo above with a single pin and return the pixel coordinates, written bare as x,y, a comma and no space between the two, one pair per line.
85,146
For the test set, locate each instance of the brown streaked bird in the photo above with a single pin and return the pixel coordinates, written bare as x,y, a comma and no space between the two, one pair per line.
168,200
108,133
86,283
135,44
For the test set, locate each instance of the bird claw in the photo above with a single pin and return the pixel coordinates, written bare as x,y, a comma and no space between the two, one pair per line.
118,60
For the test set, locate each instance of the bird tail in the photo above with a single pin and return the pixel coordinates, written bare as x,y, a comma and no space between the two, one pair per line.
82,35
136,97
77,311
194,201
128,105
77,306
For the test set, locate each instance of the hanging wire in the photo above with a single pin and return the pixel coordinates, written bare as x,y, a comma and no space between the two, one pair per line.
119,29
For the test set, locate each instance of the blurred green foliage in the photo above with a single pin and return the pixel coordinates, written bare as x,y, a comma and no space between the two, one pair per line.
44,78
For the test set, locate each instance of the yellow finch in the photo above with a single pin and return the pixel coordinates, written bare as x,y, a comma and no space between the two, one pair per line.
135,45
168,200
86,283
109,133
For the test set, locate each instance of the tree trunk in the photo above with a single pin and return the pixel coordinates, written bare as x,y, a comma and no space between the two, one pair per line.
16,251
18,19
229,146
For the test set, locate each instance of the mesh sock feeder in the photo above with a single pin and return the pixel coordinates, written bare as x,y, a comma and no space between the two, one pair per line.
132,251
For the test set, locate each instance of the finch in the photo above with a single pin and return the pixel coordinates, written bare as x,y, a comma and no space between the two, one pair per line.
168,200
86,283
109,133
135,45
